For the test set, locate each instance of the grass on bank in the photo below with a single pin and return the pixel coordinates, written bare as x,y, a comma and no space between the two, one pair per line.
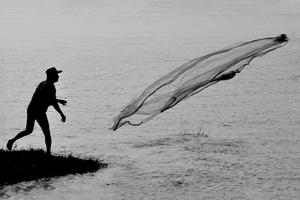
32,164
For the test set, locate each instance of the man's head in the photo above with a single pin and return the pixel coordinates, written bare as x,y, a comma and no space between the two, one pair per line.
52,74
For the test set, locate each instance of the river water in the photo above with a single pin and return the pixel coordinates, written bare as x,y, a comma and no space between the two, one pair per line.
238,139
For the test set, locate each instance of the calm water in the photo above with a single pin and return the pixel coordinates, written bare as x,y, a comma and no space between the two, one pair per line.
110,51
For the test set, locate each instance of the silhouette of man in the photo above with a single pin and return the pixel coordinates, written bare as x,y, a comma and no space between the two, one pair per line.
43,97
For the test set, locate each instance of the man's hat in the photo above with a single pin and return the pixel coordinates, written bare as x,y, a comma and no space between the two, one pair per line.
53,70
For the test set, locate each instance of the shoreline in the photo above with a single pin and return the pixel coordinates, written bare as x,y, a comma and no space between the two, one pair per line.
34,164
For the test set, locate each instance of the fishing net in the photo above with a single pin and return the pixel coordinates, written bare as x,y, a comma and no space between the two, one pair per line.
192,77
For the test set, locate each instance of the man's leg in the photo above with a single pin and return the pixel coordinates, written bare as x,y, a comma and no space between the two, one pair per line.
27,131
44,124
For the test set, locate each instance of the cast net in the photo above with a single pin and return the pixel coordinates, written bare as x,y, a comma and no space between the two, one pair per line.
192,77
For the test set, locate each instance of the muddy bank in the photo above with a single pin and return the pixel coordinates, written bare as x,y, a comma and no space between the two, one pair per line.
28,165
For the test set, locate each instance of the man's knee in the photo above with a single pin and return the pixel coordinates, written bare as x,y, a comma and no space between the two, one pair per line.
28,131
29,124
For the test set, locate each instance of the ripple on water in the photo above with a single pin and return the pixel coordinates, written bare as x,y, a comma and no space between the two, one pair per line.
189,164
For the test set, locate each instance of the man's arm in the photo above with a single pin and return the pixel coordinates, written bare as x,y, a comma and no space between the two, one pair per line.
61,101
55,104
57,108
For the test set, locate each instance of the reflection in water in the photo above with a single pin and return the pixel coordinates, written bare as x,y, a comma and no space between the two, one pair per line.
27,187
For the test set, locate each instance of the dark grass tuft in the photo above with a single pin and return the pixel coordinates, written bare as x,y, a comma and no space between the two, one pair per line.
28,165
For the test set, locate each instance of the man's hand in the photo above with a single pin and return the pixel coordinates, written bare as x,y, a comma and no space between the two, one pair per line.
63,102
63,118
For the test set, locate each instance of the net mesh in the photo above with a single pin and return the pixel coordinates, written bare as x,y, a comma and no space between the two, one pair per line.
192,77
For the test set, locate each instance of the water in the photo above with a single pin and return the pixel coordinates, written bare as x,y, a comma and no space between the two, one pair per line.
109,52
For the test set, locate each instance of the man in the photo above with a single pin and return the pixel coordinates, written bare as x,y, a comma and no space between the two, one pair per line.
43,97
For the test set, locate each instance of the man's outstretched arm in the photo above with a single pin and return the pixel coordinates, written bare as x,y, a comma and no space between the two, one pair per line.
61,101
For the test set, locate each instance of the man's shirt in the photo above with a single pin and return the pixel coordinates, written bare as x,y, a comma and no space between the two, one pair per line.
43,97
